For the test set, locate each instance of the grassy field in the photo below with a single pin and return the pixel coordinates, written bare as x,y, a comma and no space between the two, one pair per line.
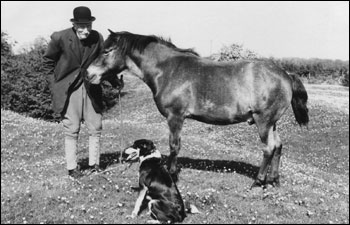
218,163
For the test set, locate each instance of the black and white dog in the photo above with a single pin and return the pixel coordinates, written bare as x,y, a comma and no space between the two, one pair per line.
155,184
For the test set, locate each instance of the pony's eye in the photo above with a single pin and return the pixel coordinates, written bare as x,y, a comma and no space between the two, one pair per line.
107,51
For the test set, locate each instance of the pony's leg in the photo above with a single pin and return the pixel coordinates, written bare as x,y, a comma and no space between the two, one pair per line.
273,176
267,137
175,125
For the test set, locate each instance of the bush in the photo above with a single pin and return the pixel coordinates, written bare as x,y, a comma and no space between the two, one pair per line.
317,70
6,48
233,53
25,87
344,78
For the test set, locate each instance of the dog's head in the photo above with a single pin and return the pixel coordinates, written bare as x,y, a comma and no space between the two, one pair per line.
139,151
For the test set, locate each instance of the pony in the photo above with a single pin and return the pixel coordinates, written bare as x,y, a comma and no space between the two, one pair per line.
185,85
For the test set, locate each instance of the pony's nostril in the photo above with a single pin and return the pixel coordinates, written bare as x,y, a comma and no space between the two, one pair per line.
92,77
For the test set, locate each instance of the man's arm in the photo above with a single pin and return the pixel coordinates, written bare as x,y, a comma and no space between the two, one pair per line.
52,54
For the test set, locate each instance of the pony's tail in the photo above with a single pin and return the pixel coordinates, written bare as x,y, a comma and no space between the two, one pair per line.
299,100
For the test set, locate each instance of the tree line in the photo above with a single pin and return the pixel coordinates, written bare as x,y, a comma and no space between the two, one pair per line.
313,70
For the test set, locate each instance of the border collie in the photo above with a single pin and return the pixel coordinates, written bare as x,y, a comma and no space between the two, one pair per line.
155,184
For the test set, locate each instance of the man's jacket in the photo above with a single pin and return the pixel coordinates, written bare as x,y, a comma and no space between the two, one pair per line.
66,64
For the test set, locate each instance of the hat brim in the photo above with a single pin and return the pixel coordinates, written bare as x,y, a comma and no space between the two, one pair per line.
83,21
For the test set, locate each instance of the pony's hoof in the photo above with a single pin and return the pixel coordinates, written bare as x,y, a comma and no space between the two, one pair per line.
257,183
274,182
251,121
153,222
136,189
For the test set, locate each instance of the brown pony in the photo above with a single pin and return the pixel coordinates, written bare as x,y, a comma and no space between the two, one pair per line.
185,85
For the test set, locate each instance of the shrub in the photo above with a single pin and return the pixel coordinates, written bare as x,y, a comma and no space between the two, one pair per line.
6,48
317,70
344,78
25,87
233,53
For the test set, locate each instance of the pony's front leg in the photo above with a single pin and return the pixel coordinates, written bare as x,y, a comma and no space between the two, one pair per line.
267,137
273,177
175,124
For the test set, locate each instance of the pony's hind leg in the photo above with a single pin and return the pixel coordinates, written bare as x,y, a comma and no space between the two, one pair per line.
267,137
175,125
273,176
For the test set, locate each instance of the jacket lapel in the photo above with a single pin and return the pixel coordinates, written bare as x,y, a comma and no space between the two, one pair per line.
91,48
87,52
74,45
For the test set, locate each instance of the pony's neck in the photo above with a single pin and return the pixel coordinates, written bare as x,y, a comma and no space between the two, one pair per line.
133,68
139,71
146,65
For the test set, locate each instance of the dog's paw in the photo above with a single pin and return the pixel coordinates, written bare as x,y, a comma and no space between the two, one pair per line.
153,222
193,209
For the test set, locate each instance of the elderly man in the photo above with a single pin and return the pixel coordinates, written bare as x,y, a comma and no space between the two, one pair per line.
69,53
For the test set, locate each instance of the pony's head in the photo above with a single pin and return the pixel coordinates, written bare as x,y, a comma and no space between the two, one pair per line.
110,62
118,46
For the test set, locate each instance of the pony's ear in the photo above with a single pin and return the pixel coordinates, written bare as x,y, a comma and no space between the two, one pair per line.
111,31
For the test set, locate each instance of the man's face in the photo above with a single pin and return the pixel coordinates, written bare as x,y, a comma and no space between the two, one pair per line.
83,30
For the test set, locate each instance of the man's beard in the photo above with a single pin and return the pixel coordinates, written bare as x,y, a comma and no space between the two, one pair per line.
82,36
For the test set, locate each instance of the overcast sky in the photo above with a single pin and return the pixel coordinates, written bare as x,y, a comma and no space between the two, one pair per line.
278,29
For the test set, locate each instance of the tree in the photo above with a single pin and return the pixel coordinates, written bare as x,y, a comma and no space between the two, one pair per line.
6,48
233,53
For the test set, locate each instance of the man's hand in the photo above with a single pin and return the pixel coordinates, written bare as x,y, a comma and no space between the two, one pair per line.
115,81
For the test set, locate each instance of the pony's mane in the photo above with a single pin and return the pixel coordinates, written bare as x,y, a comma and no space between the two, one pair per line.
129,42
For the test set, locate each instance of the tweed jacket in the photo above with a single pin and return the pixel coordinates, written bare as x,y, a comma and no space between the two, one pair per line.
66,65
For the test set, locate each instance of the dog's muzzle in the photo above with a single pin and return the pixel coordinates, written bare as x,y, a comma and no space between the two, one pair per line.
130,155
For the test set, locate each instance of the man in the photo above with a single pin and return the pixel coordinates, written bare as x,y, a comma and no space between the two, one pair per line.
68,55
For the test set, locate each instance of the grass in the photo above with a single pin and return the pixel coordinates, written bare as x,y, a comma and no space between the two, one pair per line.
218,163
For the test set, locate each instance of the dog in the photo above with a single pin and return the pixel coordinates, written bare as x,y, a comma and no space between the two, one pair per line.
155,184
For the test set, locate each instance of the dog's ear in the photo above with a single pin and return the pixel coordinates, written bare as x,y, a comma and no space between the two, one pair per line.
150,146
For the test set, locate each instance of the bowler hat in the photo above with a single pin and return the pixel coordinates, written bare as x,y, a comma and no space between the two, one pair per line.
82,14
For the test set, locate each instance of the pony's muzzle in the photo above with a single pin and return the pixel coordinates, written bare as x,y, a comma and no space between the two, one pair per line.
93,75
93,79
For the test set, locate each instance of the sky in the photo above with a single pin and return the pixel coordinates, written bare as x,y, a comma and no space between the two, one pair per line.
271,29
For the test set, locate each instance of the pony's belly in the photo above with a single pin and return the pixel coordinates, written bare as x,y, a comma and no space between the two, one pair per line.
220,118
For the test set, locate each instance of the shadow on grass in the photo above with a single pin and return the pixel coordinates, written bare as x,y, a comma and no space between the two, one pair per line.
219,166
106,160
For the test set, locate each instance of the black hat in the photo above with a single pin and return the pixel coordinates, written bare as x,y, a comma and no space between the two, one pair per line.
82,14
